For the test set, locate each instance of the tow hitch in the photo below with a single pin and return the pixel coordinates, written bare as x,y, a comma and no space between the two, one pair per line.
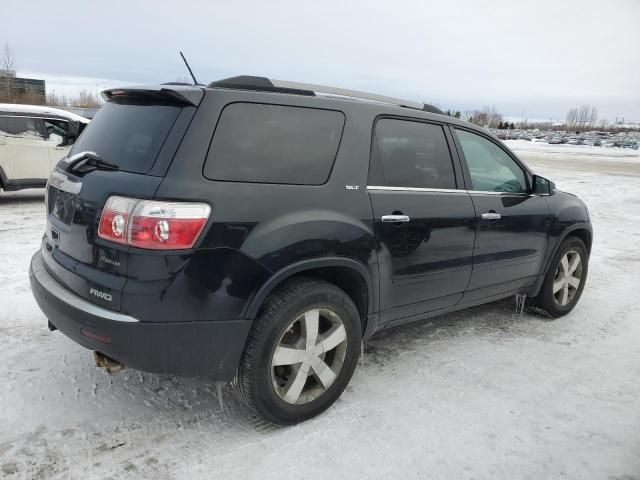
109,364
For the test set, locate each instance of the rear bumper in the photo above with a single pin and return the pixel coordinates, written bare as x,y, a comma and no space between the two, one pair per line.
211,348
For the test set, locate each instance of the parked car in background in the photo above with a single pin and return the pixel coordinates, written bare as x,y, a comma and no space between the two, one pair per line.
258,230
32,141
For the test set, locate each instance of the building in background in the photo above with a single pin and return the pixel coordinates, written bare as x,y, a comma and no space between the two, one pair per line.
21,90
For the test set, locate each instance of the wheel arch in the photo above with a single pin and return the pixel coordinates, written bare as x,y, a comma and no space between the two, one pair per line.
583,231
350,275
584,234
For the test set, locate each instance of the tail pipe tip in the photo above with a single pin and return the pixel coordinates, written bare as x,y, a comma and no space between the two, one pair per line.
109,364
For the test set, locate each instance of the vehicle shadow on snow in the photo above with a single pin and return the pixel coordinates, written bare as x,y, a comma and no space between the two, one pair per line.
193,403
24,196
494,322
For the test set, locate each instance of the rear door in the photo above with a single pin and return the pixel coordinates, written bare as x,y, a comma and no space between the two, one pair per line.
139,136
424,218
23,150
512,222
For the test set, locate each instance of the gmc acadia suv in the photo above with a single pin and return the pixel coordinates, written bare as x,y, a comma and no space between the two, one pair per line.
257,230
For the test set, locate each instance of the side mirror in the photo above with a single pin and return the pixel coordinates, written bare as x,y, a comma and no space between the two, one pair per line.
543,186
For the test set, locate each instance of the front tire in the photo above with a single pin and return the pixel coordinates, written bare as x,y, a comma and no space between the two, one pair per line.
301,352
565,279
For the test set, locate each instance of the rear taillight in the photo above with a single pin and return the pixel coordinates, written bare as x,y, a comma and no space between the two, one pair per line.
152,224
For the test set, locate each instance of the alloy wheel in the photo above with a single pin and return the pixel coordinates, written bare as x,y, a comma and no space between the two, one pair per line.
308,356
567,278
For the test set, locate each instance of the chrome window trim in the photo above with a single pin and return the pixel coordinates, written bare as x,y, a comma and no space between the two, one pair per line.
441,190
488,192
414,189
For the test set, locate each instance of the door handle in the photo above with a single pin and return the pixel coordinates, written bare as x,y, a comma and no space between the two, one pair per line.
491,216
395,218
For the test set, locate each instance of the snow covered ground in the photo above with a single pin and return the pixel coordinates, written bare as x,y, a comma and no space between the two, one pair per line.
477,394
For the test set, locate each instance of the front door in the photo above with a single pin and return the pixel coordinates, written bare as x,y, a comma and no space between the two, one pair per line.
424,223
512,223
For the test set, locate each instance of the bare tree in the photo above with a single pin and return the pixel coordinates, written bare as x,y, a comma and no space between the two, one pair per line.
581,118
6,65
572,118
56,100
488,116
86,99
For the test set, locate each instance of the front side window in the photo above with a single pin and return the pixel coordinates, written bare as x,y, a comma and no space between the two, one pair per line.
274,144
491,169
410,154
19,127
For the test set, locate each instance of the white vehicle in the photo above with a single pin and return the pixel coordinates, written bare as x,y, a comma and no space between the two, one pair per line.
32,141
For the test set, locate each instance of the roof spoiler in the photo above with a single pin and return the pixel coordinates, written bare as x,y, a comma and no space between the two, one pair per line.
248,82
190,95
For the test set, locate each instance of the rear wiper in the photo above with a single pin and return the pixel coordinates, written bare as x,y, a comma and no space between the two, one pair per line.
84,162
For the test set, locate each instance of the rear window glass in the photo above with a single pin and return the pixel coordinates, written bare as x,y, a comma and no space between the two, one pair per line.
274,144
128,133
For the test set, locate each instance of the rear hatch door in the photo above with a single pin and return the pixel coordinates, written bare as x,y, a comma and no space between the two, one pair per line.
134,135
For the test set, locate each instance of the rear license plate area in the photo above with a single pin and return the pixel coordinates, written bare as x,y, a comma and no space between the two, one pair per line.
62,205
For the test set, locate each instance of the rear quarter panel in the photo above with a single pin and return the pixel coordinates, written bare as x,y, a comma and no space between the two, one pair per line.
267,227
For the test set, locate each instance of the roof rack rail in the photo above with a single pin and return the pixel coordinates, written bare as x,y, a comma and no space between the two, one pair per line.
248,82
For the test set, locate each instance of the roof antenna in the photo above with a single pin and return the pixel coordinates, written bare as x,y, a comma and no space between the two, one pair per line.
195,82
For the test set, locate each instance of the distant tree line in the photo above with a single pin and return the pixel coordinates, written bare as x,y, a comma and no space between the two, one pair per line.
487,117
584,117
85,98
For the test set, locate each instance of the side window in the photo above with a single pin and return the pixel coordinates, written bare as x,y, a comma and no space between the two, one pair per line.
19,127
274,144
491,169
410,154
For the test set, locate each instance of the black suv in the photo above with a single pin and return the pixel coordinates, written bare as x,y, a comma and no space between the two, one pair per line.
258,230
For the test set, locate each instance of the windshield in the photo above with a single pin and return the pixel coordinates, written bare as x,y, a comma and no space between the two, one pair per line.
129,133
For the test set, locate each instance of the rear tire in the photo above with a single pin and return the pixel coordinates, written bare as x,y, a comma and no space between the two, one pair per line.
301,352
564,281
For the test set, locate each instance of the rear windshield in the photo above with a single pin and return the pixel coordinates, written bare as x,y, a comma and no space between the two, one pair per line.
128,133
274,144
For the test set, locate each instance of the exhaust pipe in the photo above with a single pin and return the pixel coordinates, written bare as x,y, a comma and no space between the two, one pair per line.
109,364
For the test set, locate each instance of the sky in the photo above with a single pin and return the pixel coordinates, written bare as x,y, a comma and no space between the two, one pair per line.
531,59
